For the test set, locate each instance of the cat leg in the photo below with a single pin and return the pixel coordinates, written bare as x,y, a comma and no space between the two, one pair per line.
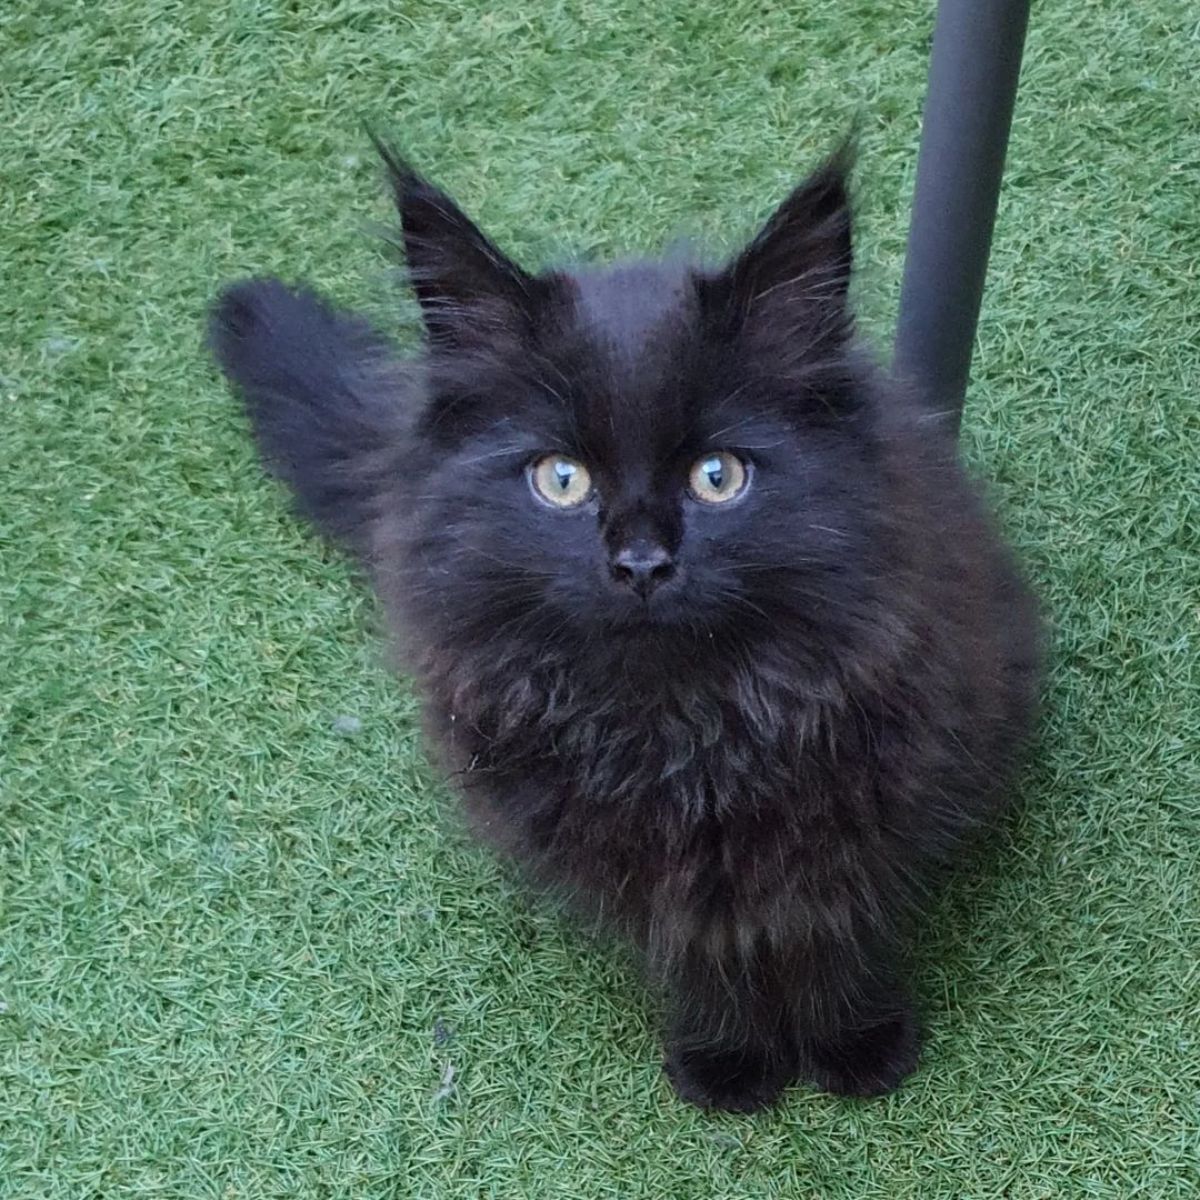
729,1044
860,1034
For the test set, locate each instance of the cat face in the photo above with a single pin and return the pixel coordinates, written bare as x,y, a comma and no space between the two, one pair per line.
648,450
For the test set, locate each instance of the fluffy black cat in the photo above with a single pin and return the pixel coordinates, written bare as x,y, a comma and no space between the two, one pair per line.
714,634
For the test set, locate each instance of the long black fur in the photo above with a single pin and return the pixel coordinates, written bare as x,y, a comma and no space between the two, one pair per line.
320,387
758,771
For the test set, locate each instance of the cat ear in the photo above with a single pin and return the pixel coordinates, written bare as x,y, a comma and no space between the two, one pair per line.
466,286
795,275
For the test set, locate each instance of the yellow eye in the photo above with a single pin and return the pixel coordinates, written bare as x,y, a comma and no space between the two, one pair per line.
717,478
561,481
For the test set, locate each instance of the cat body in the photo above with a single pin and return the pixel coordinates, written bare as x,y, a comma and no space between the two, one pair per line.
714,635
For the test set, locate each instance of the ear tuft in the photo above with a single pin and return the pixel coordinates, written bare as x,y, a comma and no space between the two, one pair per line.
796,271
464,283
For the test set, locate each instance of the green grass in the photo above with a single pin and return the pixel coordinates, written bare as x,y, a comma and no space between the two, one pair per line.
228,932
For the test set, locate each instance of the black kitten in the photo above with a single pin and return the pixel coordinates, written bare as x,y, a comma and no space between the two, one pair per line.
713,632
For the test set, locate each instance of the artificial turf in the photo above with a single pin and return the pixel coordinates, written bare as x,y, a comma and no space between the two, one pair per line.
245,951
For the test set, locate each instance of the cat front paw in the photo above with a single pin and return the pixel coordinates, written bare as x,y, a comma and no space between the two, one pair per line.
867,1062
730,1080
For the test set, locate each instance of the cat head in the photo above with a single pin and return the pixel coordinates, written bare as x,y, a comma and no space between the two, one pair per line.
656,449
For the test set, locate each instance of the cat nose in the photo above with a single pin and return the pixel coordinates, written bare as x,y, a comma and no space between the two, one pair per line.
642,566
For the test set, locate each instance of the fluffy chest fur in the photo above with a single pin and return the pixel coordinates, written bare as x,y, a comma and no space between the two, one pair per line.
718,801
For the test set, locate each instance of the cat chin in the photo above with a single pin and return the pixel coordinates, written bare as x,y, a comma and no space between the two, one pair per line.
644,634
654,618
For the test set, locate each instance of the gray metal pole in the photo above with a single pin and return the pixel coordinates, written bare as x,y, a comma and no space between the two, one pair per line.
973,71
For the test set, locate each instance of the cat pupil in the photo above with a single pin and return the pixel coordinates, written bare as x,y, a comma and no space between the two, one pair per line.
716,476
563,472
